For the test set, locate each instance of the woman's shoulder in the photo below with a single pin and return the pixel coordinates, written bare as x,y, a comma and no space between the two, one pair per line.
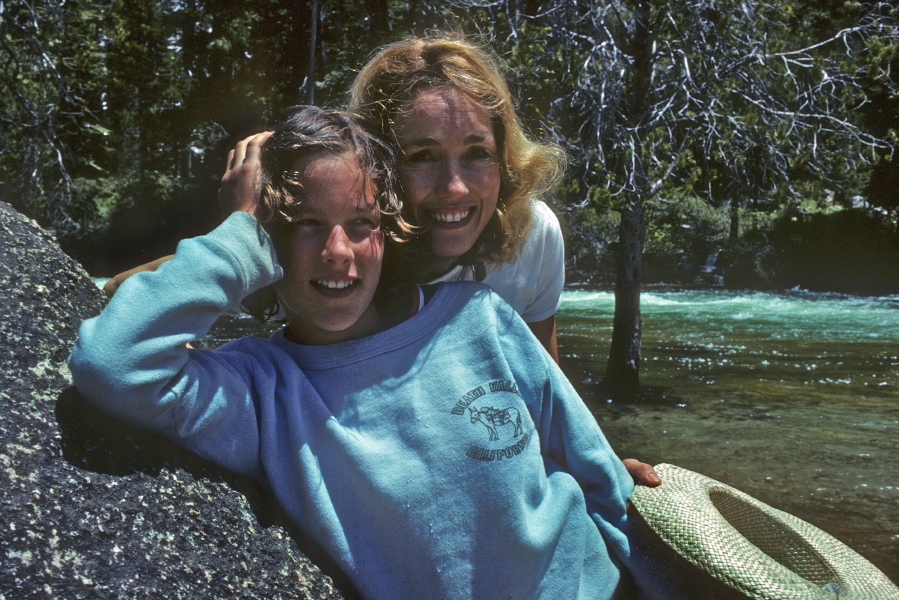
543,240
473,297
464,294
532,282
543,220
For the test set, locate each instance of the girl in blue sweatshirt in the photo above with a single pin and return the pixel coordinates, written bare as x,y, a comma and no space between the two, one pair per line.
433,449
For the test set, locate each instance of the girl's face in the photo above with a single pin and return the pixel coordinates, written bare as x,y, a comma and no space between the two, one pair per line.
449,170
331,253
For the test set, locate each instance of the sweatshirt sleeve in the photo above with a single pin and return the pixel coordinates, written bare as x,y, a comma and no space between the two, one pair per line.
573,442
132,360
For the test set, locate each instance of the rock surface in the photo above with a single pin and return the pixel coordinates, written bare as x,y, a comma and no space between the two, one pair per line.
91,508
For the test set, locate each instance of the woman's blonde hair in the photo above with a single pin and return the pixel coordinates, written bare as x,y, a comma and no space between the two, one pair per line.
385,88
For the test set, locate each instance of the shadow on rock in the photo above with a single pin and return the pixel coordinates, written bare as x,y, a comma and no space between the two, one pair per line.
92,508
93,441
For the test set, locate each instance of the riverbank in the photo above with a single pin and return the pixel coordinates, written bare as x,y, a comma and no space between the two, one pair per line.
844,250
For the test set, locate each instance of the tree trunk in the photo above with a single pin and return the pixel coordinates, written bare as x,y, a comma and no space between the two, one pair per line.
623,369
313,43
734,234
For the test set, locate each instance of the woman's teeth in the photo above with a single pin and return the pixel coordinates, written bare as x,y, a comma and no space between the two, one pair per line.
334,285
450,217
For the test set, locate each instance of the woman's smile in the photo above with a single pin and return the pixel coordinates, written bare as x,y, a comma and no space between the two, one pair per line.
449,171
451,216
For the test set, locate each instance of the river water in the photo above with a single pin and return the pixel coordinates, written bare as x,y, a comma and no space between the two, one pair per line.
790,397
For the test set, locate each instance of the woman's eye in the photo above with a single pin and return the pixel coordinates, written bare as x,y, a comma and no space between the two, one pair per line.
422,156
479,153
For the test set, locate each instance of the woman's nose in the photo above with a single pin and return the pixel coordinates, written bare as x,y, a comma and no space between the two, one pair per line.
338,247
452,182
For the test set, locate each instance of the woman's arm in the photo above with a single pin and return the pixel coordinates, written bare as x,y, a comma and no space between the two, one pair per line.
112,286
545,332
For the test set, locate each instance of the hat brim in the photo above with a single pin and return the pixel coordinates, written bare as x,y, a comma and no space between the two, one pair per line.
750,547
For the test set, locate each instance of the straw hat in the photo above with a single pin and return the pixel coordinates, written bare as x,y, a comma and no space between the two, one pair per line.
744,548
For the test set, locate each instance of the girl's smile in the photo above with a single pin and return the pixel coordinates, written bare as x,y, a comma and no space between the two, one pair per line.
331,253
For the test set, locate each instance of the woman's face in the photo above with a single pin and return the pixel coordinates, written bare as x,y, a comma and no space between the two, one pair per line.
449,170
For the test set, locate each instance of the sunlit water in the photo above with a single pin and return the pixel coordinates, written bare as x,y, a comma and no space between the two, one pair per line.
791,397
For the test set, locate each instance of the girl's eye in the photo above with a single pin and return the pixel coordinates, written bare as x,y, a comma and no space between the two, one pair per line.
366,222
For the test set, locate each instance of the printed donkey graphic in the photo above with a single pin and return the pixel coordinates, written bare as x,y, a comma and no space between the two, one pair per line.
493,418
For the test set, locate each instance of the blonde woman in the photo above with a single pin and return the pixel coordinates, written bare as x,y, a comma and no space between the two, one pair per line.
471,176
468,173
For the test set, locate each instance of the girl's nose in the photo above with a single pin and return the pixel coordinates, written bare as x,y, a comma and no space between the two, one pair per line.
452,181
338,247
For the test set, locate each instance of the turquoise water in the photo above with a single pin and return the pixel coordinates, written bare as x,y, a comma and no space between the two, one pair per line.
796,338
791,397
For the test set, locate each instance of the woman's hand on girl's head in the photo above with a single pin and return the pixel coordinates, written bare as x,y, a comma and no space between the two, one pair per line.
240,183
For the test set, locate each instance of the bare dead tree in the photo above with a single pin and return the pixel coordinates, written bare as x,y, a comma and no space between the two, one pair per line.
38,97
647,95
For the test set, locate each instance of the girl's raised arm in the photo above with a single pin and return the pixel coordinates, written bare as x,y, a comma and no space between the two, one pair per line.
239,191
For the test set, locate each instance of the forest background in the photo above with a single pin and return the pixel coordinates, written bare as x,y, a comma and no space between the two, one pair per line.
712,142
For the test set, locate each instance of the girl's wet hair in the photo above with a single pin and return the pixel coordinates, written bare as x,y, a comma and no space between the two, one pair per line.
309,131
386,87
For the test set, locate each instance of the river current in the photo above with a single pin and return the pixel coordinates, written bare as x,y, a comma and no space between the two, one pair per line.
791,397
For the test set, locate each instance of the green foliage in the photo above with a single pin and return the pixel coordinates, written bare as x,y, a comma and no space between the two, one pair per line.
681,237
811,244
51,58
590,245
850,251
754,103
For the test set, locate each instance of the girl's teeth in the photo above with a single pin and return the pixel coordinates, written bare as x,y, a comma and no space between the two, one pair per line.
454,217
334,285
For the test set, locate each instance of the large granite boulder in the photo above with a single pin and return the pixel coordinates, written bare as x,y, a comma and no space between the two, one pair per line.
91,508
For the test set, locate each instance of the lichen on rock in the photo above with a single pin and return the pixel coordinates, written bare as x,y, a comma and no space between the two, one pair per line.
91,508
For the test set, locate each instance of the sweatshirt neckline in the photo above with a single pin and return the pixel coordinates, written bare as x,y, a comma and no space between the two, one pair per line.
340,354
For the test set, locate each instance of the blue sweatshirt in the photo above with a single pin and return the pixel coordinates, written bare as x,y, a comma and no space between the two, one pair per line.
447,457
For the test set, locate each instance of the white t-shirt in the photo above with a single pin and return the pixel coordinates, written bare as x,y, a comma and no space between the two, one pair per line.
532,283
